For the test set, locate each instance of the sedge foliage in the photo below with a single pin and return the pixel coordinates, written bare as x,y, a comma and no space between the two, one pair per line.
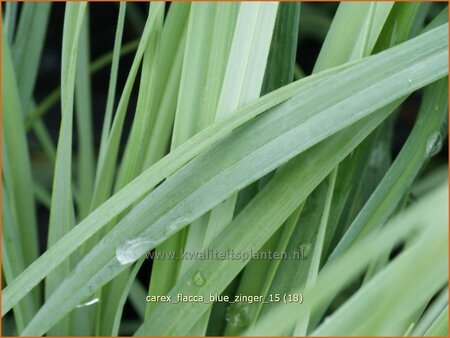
226,152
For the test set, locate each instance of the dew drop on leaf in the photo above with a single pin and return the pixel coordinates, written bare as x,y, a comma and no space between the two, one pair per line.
88,303
132,250
434,144
238,315
198,279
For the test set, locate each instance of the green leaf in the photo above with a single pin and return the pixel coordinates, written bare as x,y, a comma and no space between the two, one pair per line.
392,74
302,325
258,275
200,86
61,211
440,325
279,198
107,163
143,184
416,219
369,310
353,32
398,25
423,142
123,297
83,97
13,262
29,40
21,244
283,49
168,75
117,290
16,150
348,45
243,81
132,161
431,314
11,9
206,166
117,49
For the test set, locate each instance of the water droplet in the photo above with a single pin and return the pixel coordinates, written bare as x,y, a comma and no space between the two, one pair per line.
305,249
198,279
434,144
132,250
88,303
238,315
409,80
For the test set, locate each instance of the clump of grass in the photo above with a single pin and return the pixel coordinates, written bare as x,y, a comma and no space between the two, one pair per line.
227,153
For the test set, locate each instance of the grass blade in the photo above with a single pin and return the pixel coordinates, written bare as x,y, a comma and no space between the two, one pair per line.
319,191
279,72
11,9
431,314
61,211
302,325
123,297
132,161
131,165
13,261
440,325
385,318
29,40
283,49
222,17
112,79
243,82
168,75
330,280
107,163
358,42
191,115
153,222
420,146
18,158
279,198
348,23
143,184
83,115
